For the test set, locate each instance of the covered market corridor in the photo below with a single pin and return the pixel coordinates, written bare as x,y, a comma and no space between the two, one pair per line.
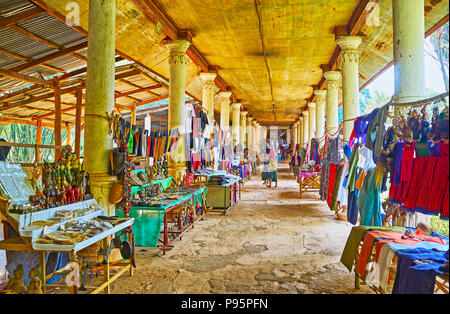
224,146
268,243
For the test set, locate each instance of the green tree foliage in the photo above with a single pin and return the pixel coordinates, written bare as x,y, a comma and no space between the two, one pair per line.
26,134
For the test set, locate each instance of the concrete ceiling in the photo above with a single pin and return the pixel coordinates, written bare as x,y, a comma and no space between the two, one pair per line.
298,35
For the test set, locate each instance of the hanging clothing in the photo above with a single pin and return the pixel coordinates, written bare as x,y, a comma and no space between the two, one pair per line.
399,193
334,194
375,132
369,201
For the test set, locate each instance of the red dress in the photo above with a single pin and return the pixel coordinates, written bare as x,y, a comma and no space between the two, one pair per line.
421,183
437,199
332,177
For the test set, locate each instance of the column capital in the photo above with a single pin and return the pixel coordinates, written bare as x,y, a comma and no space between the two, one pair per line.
320,93
207,77
332,76
250,119
177,50
177,45
244,113
300,119
305,113
312,105
236,106
348,43
225,95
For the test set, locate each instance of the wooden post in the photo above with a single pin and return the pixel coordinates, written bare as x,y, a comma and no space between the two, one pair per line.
38,140
133,115
79,96
69,133
57,93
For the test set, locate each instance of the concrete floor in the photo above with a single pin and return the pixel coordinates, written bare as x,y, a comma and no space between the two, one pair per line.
270,242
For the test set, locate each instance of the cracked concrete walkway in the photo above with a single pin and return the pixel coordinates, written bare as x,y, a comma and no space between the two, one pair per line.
270,242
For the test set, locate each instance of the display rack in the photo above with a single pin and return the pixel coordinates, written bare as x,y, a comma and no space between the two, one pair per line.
29,234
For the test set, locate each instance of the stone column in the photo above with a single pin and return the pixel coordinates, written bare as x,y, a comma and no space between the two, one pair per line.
243,129
300,135
320,112
235,119
350,81
177,110
250,136
305,127
288,136
409,54
295,134
98,141
332,124
312,121
255,135
224,110
208,93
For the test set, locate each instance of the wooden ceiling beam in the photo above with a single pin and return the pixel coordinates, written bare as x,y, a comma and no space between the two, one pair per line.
50,57
149,101
139,90
20,17
25,78
41,97
136,86
19,57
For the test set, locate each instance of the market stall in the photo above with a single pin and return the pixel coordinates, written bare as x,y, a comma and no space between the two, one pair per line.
224,190
394,248
58,216
397,259
163,212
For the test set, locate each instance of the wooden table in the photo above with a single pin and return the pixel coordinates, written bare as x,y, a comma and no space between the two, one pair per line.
308,181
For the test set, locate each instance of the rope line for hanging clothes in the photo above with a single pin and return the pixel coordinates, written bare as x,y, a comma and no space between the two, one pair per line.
423,102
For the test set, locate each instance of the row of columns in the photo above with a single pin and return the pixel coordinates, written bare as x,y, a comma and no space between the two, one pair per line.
409,75
408,38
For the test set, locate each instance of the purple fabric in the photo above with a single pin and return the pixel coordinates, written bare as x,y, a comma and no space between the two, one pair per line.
361,125
398,152
435,150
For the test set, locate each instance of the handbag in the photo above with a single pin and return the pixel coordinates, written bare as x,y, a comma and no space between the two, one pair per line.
116,194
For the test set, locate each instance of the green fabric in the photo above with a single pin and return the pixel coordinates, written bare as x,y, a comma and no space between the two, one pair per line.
349,254
265,175
421,150
130,141
274,175
375,129
352,169
337,180
369,201
163,183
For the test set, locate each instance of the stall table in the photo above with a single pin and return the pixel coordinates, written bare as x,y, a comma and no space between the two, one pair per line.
25,242
223,197
151,223
308,181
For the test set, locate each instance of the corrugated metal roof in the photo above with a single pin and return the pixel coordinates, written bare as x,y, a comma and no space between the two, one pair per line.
58,33
8,8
